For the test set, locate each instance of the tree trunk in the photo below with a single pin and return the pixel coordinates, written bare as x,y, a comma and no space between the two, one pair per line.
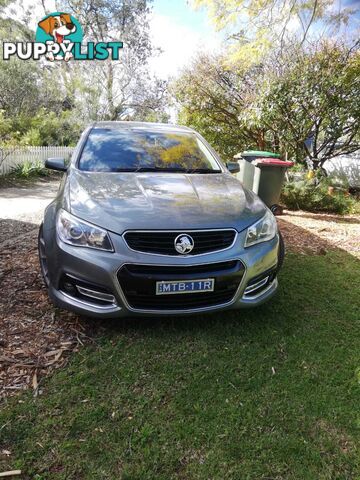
109,92
276,142
316,163
260,140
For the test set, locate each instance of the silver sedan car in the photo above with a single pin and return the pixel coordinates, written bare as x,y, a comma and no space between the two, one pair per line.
149,221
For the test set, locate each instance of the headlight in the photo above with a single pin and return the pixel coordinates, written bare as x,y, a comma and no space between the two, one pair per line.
73,231
263,230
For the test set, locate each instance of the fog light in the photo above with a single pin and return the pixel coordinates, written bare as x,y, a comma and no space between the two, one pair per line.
104,297
256,286
69,288
81,290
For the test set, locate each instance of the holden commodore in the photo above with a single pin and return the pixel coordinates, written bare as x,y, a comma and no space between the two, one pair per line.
149,221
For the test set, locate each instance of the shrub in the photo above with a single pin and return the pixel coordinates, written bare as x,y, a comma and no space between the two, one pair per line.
318,194
29,169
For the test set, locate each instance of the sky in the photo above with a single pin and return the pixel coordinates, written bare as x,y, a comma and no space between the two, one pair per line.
180,31
176,28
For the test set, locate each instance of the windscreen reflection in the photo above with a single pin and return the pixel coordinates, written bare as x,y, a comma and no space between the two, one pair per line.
116,150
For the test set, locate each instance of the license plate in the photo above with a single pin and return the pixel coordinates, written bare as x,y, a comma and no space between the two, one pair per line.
185,286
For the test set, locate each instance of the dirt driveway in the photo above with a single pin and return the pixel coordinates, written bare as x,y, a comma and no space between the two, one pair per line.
27,202
36,338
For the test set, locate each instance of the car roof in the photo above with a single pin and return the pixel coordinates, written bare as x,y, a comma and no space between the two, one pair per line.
150,126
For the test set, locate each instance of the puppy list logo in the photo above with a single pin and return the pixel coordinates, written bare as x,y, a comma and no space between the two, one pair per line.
58,37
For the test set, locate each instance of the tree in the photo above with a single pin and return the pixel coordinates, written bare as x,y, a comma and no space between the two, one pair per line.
19,92
303,102
43,102
262,26
311,100
217,101
118,84
30,97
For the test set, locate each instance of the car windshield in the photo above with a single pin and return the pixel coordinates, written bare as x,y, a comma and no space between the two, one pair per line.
130,150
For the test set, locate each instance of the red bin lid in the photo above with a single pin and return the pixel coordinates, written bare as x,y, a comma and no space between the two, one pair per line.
273,162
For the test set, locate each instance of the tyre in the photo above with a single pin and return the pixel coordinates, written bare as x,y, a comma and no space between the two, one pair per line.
42,257
281,252
277,209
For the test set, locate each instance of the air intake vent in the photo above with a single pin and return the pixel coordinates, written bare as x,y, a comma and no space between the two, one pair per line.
138,283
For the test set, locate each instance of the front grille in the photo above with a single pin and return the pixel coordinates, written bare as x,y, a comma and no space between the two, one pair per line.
138,283
162,242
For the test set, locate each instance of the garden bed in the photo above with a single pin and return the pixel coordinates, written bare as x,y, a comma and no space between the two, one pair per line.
320,232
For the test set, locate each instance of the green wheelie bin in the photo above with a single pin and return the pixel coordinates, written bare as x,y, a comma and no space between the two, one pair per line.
268,181
253,155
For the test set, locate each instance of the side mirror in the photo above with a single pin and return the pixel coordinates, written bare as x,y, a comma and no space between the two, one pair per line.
56,164
233,167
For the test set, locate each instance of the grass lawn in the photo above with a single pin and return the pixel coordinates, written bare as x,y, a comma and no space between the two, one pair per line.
271,393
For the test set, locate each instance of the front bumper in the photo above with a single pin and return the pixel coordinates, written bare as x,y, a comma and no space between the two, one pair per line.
94,268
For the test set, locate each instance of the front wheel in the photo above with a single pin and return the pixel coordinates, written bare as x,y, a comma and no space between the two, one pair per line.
42,257
281,252
277,209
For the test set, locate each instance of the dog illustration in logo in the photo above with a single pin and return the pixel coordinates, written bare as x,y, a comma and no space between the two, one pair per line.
58,27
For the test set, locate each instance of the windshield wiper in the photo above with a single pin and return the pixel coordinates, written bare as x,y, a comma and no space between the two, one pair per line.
168,169
151,169
203,170
160,169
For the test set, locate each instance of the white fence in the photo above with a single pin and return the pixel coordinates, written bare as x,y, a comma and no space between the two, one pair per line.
346,167
10,157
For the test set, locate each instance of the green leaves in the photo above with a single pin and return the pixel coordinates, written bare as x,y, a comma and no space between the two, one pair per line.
256,27
218,101
315,99
304,102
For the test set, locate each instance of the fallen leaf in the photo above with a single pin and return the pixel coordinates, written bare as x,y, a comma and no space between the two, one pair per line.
35,381
10,473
